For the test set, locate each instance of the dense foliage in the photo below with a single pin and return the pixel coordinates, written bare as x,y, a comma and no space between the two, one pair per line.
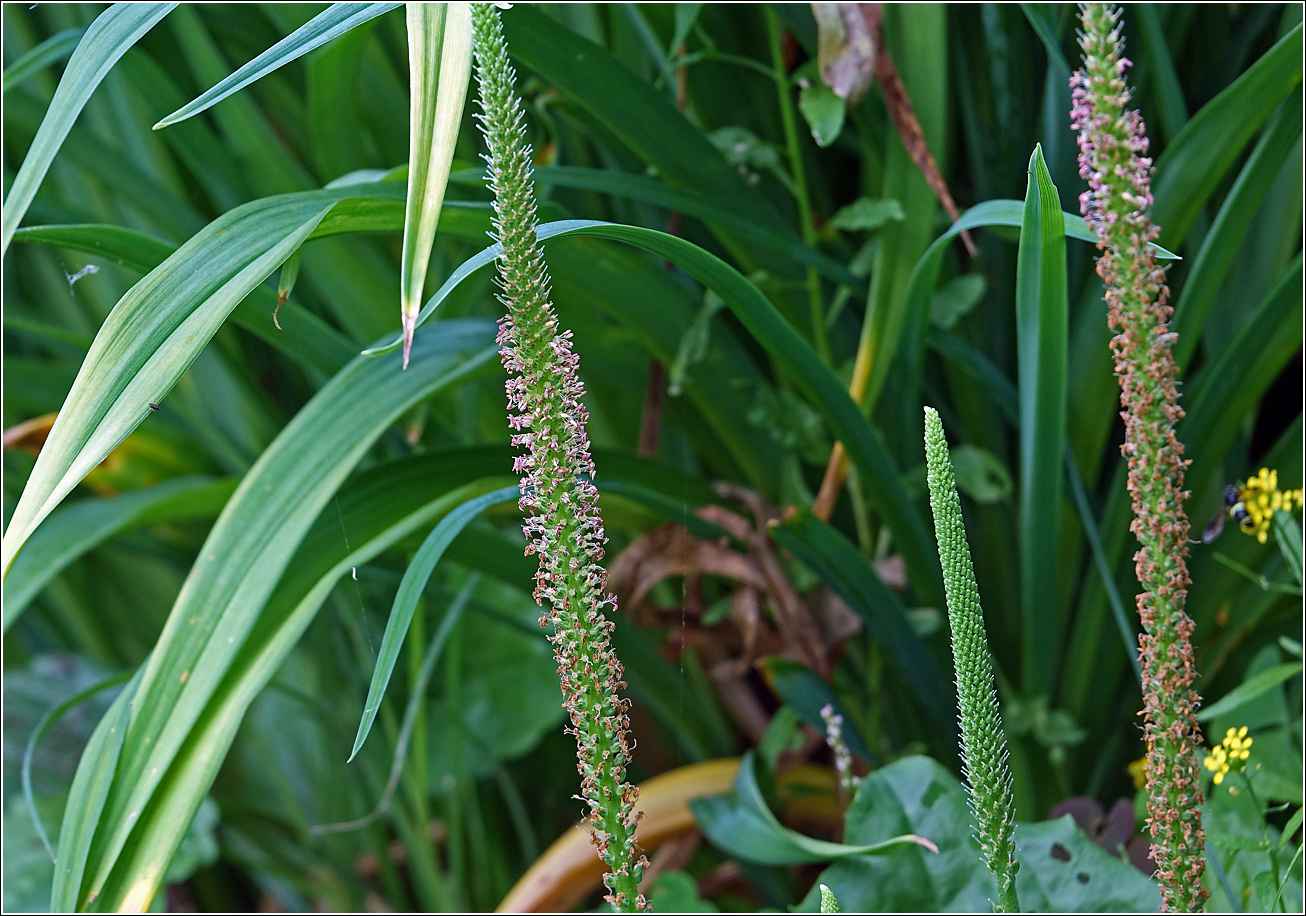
260,536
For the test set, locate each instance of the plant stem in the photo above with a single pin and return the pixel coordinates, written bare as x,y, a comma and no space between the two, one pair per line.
819,336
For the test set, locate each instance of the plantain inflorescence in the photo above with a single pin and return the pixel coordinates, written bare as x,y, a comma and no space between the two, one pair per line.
562,522
1112,145
983,744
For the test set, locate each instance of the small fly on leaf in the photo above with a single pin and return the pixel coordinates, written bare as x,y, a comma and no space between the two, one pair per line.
153,406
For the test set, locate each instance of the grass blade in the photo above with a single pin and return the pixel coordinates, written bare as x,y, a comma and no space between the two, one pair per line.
410,589
107,39
338,19
1222,243
257,533
73,530
1041,321
163,322
440,66
1191,167
51,51
86,798
415,696
836,560
46,722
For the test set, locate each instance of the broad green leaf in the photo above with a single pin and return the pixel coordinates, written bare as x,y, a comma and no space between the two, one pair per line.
107,39
410,589
54,49
743,826
760,318
439,67
75,529
1193,165
164,771
823,111
918,795
1041,322
1258,684
867,213
335,21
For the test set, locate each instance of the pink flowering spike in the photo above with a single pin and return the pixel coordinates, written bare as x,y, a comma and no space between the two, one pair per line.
1119,176
559,503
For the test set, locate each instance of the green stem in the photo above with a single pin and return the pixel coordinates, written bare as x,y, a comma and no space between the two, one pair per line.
819,336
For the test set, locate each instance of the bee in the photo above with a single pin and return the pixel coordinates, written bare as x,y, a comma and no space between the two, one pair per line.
1233,508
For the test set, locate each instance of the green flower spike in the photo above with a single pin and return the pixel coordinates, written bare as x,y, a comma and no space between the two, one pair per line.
559,501
983,745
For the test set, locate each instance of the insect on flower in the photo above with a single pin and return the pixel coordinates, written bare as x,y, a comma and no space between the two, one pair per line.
1233,508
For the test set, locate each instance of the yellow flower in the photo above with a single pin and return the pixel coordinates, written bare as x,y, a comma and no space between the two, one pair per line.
1232,753
1138,771
1260,497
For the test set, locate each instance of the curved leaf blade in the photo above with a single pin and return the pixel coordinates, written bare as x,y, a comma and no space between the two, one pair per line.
335,21
51,51
107,39
410,589
1191,167
73,530
160,326
258,532
746,828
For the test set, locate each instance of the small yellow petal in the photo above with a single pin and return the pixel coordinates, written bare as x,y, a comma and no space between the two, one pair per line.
1219,778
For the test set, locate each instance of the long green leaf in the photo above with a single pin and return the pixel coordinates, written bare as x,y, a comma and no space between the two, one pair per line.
1223,242
257,534
90,789
410,589
163,322
1041,320
335,21
920,286
73,530
1257,685
687,202
47,722
51,51
439,65
1192,167
107,39
760,318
